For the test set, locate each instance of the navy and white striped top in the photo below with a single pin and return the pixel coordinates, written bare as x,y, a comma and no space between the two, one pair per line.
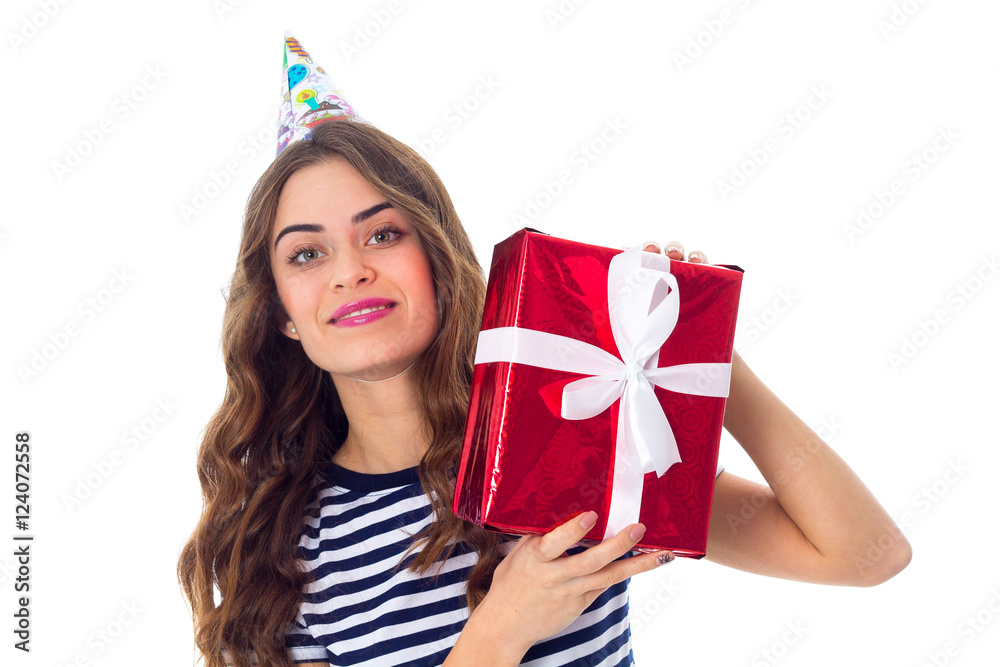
357,611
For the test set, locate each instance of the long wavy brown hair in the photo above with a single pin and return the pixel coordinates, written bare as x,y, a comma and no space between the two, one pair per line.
281,415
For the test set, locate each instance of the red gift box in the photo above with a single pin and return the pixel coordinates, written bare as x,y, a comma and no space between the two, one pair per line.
567,413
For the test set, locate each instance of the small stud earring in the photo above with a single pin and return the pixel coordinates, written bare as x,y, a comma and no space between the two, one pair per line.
293,329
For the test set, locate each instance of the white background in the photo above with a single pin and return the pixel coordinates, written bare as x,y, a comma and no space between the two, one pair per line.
849,304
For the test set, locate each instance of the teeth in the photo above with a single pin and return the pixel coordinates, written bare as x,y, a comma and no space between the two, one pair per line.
361,312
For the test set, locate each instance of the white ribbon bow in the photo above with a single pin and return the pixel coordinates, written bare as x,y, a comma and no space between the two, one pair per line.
642,314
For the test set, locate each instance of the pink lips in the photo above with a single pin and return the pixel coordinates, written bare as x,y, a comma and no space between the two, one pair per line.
361,305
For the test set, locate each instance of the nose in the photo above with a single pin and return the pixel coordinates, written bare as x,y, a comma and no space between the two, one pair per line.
350,267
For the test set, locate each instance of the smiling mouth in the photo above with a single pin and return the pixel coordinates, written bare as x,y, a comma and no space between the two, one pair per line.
363,311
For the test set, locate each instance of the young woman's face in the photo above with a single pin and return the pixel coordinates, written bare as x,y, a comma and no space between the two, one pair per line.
336,241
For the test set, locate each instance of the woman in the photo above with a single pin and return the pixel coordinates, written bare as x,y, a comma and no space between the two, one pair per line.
341,431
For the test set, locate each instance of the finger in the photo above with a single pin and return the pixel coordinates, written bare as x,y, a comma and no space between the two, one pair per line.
664,557
674,250
698,256
651,246
620,570
599,555
526,540
554,544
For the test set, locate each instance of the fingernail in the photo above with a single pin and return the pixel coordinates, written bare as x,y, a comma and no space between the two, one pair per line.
588,520
651,243
664,558
672,248
638,531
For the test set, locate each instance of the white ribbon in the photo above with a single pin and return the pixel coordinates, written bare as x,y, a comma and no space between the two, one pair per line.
642,314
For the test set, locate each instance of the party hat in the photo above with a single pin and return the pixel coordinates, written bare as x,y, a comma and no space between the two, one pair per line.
308,96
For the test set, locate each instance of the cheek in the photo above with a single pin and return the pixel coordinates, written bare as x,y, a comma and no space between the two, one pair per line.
429,288
292,283
295,293
419,278
284,290
427,292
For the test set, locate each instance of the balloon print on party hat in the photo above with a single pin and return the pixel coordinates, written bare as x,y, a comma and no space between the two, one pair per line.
308,96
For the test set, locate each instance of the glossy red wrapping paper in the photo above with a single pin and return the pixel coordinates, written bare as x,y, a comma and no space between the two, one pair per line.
525,469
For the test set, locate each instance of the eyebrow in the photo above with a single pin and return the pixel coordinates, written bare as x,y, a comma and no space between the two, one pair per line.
356,219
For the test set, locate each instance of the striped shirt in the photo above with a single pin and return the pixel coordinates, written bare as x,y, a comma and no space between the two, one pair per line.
357,611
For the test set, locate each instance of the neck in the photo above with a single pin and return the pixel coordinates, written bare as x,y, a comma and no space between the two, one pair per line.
387,430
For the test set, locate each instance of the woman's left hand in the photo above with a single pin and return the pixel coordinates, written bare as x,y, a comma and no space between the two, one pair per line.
675,250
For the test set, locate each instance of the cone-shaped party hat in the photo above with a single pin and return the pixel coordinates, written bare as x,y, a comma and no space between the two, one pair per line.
308,96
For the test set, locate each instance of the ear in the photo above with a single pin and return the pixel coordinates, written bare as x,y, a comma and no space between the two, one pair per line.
286,329
279,317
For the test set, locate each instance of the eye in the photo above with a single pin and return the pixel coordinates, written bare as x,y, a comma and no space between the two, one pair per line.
291,259
386,229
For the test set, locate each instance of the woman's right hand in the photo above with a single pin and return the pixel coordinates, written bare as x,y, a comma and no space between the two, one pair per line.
538,590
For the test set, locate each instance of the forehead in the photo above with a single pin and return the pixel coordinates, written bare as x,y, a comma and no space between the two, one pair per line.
331,179
326,192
